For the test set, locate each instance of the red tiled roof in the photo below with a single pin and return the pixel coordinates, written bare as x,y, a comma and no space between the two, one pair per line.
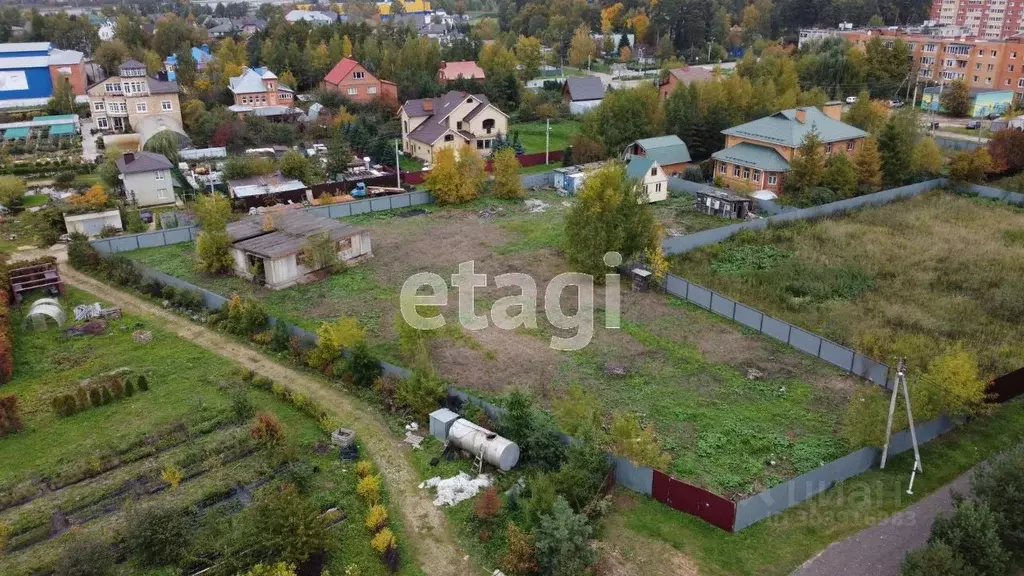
466,69
340,71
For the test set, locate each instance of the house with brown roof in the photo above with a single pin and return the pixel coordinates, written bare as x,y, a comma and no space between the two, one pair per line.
270,247
350,79
453,120
258,91
683,76
465,69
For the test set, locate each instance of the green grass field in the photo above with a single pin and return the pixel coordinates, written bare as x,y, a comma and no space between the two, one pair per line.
911,278
98,461
531,134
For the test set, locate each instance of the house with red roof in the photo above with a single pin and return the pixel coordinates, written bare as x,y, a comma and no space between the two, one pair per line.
466,69
354,82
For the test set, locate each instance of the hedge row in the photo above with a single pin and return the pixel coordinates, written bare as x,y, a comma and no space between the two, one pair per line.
50,169
86,397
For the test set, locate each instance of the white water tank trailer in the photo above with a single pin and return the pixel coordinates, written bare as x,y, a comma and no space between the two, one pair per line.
499,452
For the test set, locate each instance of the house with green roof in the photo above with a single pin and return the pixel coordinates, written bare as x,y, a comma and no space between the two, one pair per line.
670,152
757,154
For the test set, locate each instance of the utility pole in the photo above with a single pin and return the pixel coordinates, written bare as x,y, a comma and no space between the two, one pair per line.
398,166
547,140
709,49
901,383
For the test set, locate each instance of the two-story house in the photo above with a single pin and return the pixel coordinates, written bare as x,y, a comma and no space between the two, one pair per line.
147,178
454,119
757,154
670,152
354,82
133,101
258,91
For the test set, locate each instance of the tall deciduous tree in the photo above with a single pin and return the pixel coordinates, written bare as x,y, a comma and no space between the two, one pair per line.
610,215
866,114
583,47
212,246
506,175
868,164
927,157
472,174
970,166
528,54
896,144
956,99
624,116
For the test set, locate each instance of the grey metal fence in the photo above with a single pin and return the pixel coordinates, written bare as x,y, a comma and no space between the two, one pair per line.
537,180
801,339
958,144
131,242
778,498
998,194
680,244
678,185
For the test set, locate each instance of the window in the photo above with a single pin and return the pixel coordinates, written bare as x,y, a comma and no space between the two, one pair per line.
975,78
994,53
449,138
828,148
757,176
1010,67
141,107
736,171
746,173
358,75
458,125
1020,83
850,146
158,175
162,194
371,90
654,171
487,143
406,124
353,91
773,179
479,144
488,125
98,106
722,168
102,123
988,80
977,66
165,105
657,187
1013,54
284,96
991,67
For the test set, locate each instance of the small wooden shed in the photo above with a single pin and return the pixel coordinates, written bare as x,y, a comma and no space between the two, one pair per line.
722,203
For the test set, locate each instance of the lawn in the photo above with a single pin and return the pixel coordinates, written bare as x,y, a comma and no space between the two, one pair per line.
911,278
94,464
727,403
32,200
531,134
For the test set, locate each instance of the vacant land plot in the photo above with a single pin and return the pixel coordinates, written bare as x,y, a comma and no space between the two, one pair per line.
736,411
907,279
531,134
76,476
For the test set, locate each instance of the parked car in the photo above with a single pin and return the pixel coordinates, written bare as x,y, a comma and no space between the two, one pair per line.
993,115
895,103
973,125
851,99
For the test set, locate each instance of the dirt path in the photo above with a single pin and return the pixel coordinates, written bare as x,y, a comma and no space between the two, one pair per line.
426,527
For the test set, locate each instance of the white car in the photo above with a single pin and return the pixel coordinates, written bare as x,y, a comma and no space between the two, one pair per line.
851,99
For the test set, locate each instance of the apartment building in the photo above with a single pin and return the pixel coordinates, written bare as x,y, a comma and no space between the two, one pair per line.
989,19
133,101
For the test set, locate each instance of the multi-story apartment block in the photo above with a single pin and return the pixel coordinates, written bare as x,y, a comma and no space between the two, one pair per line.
133,101
990,19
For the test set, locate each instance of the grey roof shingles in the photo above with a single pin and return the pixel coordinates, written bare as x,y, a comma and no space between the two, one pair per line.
291,229
435,125
666,150
783,128
583,88
143,162
763,158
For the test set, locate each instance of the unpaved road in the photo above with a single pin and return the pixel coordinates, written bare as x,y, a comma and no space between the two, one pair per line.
426,528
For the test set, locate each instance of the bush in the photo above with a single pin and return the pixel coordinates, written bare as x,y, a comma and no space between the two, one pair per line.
541,500
421,393
280,338
386,390
95,398
972,533
241,404
64,405
376,518
158,535
562,541
932,560
520,555
267,429
1000,485
364,366
487,504
105,397
286,526
364,468
384,541
333,337
369,489
580,478
116,388
64,178
81,254
84,555
122,271
142,383
172,475
129,388
245,316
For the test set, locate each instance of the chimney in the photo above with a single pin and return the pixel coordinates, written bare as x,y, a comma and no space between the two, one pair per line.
129,157
428,105
801,115
834,110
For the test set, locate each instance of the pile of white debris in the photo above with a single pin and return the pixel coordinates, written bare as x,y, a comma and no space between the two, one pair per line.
451,491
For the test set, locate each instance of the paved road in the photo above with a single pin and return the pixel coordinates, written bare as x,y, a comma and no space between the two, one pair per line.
878,551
